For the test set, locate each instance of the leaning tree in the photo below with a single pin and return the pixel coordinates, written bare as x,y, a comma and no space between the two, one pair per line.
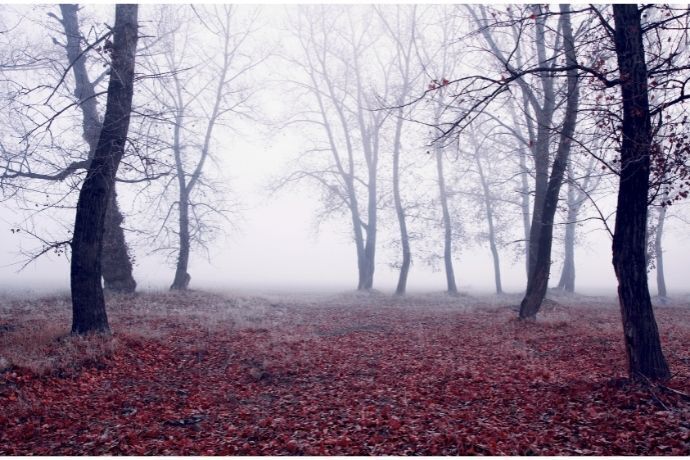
88,303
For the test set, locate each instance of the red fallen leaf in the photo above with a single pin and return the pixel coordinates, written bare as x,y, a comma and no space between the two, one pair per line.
292,446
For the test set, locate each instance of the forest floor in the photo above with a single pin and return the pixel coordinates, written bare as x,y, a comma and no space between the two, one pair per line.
202,374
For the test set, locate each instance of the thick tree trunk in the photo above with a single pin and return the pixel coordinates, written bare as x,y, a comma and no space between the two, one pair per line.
88,304
642,344
447,224
116,265
538,281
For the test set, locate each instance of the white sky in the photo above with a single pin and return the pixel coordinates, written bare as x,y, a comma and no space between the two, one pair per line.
276,246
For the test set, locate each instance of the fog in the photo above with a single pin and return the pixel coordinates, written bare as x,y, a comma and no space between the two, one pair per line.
276,240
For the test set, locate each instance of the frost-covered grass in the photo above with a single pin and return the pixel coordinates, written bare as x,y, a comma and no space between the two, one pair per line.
34,330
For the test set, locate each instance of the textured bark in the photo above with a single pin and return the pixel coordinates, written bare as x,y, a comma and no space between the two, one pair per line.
642,344
116,265
538,280
88,304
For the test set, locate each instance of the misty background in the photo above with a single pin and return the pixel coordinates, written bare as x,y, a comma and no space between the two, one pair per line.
275,240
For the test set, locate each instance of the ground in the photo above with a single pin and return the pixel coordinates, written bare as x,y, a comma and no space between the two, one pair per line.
197,373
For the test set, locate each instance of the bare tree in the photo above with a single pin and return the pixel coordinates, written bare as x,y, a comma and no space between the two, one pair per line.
335,44
117,266
201,87
88,304
403,33
578,192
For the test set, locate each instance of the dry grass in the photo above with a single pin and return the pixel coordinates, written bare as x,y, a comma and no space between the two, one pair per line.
34,332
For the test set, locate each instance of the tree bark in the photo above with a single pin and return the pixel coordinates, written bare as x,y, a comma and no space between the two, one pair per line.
400,211
88,304
658,248
642,343
488,206
116,264
447,224
544,115
567,281
182,278
538,281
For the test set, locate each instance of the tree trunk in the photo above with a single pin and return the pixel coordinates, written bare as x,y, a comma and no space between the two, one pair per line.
88,304
182,278
116,265
371,231
567,281
642,344
538,281
544,116
525,202
659,252
447,224
400,211
490,223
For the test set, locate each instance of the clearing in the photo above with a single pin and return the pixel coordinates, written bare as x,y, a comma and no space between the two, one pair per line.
200,374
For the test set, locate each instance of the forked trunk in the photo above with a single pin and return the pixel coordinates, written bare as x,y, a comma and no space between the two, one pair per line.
88,304
567,281
538,281
116,265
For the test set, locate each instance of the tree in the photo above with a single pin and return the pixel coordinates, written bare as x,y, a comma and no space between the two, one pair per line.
488,203
404,39
116,264
198,88
547,185
538,280
88,304
642,343
335,45
577,194
43,154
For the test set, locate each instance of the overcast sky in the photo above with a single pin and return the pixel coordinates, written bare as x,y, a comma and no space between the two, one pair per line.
275,245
